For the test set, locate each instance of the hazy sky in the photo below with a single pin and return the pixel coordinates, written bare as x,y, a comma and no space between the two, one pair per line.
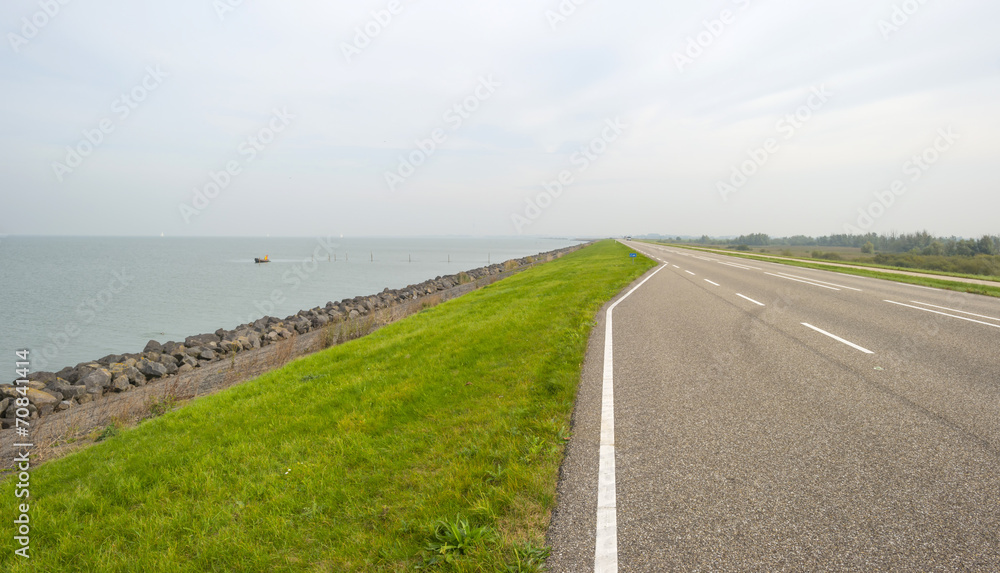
295,117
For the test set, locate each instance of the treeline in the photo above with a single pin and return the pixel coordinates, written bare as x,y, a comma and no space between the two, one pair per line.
922,243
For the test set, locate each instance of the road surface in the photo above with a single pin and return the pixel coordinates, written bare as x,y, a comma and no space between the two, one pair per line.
773,418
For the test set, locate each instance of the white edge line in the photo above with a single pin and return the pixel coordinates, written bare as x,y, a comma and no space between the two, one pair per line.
819,281
918,286
606,542
750,299
743,265
802,281
838,339
954,310
943,313
675,266
713,283
690,273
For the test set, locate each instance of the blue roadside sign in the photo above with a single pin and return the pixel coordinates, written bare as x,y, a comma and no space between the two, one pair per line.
632,255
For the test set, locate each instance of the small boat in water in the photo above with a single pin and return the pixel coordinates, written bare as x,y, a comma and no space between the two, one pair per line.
264,260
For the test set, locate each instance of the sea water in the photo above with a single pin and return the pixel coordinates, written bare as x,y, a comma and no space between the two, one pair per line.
70,300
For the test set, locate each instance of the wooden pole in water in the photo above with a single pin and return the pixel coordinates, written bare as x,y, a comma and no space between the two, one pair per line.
372,253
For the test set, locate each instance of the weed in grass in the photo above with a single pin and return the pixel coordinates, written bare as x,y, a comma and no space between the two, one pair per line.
109,431
564,434
486,510
496,477
451,539
160,406
533,448
313,511
528,558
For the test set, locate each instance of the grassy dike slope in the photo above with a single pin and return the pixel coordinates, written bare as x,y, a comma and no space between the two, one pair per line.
345,460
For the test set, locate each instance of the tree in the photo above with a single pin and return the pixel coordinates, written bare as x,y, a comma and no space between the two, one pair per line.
986,246
868,248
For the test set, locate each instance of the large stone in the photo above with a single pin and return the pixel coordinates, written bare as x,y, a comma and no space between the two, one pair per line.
153,346
206,354
201,340
121,384
36,384
109,359
170,348
100,378
43,377
230,346
4,403
184,368
73,391
152,369
57,386
11,411
68,374
9,391
135,376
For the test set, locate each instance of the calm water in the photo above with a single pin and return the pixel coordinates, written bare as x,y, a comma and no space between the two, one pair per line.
69,300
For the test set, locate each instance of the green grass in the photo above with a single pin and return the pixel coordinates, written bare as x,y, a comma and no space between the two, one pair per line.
865,270
442,430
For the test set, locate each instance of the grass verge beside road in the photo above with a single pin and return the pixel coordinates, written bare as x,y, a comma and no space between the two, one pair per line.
859,270
433,443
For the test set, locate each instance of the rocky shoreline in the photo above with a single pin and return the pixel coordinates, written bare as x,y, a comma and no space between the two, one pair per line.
51,393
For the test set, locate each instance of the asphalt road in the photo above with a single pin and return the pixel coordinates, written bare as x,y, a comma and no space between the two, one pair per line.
772,418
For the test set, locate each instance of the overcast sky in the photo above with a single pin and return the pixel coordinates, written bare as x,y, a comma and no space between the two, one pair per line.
229,117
